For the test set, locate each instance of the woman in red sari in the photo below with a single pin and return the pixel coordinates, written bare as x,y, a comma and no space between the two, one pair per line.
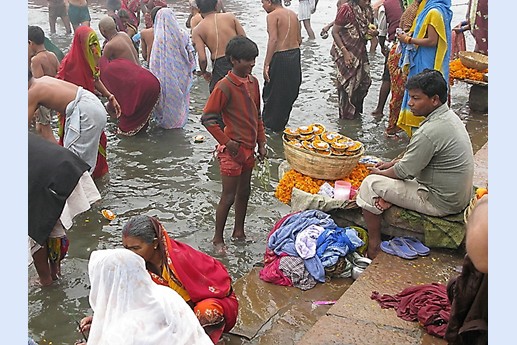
202,281
350,31
80,67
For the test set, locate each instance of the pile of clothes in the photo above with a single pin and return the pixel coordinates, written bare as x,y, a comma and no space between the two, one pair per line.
303,246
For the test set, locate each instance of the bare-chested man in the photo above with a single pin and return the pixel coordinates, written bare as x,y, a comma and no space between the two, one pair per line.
195,16
214,31
282,65
147,37
42,62
118,44
78,13
85,114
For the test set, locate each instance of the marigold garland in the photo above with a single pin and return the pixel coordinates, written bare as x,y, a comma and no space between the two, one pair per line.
459,71
293,178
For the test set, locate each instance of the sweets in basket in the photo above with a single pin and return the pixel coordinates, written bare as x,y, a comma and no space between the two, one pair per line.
315,138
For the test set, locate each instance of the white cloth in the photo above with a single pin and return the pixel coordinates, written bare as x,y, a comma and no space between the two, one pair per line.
382,22
306,239
305,9
84,194
86,118
130,309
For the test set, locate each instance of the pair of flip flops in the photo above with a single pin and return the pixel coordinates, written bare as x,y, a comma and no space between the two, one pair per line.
405,247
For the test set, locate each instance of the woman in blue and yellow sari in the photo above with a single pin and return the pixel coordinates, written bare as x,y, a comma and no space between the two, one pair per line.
427,45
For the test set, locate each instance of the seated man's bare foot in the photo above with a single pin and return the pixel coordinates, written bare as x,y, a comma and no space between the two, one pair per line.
382,204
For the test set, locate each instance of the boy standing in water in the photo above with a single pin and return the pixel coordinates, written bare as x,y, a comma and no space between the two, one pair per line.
235,101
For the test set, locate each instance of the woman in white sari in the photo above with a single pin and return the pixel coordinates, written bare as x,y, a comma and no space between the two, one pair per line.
129,308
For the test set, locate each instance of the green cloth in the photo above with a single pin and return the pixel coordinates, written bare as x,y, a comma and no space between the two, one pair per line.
439,232
51,47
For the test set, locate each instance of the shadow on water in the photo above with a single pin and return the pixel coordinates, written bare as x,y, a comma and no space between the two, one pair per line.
164,173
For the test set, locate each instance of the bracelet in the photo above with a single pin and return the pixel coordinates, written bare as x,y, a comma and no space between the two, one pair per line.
343,47
408,39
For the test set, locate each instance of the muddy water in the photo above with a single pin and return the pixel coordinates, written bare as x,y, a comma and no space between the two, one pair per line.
164,173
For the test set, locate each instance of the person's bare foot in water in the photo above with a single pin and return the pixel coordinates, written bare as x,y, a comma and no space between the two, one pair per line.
238,235
219,246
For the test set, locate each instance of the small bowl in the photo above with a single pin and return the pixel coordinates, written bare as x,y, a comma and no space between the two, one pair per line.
359,265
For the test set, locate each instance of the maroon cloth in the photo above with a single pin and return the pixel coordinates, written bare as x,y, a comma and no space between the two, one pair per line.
428,304
271,273
458,44
479,28
136,90
393,10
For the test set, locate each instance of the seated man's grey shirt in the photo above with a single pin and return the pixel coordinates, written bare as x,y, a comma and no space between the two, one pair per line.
439,156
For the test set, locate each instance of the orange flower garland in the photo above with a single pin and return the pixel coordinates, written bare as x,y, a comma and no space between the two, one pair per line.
293,178
458,71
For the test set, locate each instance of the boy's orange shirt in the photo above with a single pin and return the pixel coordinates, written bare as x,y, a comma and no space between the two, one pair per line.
238,106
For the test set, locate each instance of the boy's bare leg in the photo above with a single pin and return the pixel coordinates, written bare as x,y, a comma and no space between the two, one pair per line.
227,198
241,204
42,267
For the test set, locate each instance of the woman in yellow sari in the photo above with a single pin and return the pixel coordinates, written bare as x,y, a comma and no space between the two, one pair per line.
427,45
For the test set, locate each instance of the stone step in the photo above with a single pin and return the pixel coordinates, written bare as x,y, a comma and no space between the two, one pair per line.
357,319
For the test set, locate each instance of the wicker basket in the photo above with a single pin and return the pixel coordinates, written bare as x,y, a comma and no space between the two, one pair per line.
474,60
318,166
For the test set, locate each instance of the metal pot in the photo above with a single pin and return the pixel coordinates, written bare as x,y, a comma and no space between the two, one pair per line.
359,265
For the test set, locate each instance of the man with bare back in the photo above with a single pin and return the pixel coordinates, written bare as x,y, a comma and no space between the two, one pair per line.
282,65
42,62
118,44
85,114
214,31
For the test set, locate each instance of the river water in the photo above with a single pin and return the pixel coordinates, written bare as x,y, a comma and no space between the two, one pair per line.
164,173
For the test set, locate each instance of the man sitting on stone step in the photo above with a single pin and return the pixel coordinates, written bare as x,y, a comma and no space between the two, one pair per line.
434,176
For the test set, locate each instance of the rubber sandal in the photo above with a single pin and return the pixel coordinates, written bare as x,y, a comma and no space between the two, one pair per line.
416,245
385,247
402,250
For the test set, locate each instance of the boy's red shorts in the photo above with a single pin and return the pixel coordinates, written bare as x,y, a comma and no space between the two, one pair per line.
235,165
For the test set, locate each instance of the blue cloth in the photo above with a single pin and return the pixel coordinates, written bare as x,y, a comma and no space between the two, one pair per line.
423,57
336,242
283,239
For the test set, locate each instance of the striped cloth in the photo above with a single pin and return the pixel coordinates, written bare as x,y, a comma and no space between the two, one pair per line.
305,9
